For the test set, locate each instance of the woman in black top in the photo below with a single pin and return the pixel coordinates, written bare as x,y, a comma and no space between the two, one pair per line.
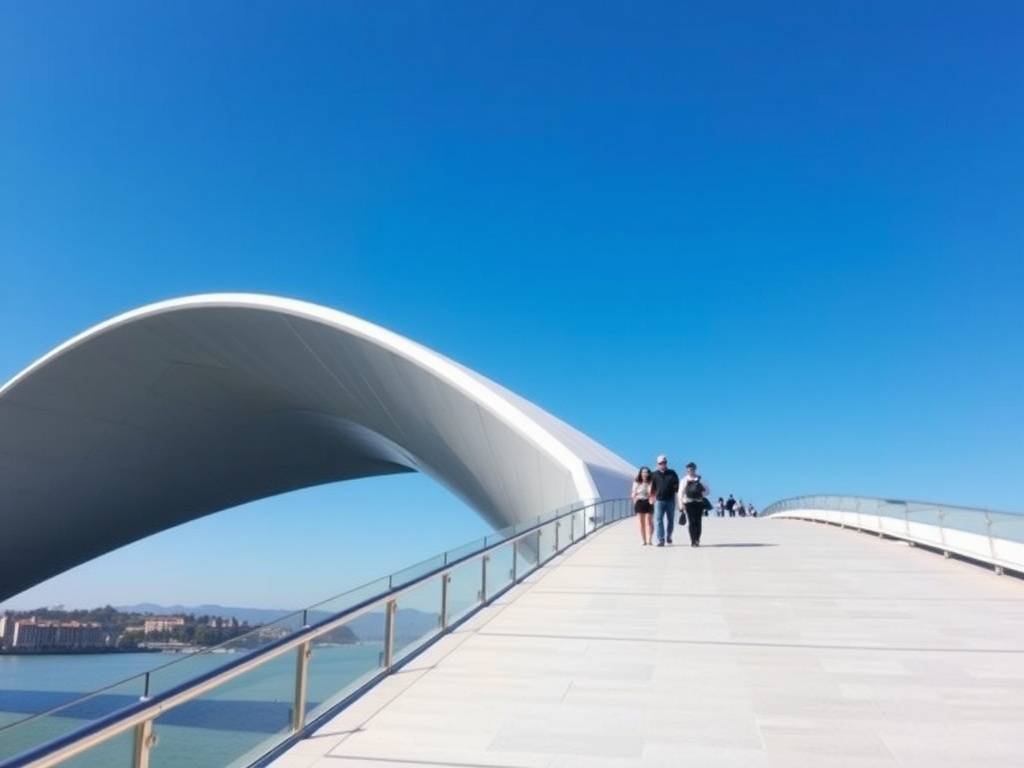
641,495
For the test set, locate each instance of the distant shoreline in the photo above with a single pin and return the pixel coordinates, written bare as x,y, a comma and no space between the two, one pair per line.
74,652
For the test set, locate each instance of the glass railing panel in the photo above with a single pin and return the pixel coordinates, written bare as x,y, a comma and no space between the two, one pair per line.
579,523
113,753
563,535
464,589
192,665
546,543
414,572
499,570
342,660
927,514
231,725
885,509
570,530
1009,527
418,617
33,717
526,555
335,605
500,535
472,547
965,520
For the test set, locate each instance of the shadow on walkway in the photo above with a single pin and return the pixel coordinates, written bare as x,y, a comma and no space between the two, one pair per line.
755,544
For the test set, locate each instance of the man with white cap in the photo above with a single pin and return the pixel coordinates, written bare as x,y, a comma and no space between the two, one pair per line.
665,486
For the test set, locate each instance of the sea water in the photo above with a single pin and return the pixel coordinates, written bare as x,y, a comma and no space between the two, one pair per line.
230,725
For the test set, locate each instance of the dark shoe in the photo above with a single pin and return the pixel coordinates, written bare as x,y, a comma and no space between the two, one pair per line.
661,543
670,540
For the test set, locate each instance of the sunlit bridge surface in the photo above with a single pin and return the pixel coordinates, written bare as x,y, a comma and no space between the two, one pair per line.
564,642
777,643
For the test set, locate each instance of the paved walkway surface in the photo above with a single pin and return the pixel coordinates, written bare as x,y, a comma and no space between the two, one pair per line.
778,643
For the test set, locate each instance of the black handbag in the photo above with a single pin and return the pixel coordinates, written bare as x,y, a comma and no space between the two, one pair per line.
682,517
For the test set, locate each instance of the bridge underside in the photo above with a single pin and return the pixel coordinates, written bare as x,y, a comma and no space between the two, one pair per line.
777,643
183,408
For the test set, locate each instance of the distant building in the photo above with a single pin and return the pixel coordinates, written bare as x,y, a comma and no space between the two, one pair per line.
163,624
34,635
6,625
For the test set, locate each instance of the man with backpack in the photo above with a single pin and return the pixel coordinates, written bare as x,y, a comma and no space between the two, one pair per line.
665,486
694,491
730,506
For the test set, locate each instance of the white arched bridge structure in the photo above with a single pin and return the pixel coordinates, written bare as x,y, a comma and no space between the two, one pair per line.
186,407
558,641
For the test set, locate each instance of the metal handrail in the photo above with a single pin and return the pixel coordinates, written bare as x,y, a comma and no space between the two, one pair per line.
771,507
907,521
301,613
141,714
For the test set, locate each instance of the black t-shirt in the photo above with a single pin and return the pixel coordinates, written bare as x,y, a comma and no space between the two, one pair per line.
665,484
730,504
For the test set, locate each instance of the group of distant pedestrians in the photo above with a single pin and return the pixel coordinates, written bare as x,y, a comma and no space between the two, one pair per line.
732,508
658,495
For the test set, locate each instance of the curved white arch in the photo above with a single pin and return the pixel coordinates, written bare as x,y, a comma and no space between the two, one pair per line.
185,407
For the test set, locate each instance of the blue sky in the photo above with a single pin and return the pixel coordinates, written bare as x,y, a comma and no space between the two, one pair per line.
782,239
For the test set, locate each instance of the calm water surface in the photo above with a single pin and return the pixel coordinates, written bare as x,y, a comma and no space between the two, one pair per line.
228,726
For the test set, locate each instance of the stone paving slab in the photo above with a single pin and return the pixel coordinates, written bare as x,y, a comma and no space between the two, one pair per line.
777,643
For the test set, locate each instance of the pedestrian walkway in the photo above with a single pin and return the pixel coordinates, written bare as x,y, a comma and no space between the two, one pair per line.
777,643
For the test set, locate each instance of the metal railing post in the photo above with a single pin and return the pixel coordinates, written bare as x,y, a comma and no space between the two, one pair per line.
446,579
572,527
483,575
558,527
390,609
992,544
302,654
145,740
942,533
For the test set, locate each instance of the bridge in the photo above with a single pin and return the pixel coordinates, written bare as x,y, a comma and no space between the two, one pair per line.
837,631
781,641
776,643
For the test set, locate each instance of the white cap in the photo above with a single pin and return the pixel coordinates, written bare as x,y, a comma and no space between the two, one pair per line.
661,457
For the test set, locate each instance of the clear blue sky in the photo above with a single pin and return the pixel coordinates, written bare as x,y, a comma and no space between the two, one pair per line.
780,239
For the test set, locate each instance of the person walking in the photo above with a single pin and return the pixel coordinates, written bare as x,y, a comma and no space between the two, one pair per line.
665,484
694,490
730,506
720,509
641,495
752,510
741,511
